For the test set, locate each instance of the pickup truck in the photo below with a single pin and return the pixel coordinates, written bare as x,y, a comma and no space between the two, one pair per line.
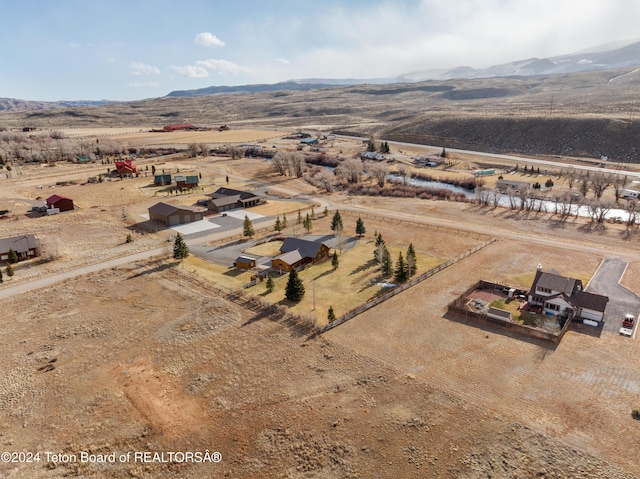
627,325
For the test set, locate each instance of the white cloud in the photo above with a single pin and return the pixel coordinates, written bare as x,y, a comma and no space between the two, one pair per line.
283,61
143,69
144,84
192,71
222,66
208,39
74,45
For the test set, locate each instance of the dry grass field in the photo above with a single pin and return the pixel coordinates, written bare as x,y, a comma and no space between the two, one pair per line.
153,356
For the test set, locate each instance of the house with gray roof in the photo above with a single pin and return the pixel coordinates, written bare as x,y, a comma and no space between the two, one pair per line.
296,252
26,246
564,297
224,199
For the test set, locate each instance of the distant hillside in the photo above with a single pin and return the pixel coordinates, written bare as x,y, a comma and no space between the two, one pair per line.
12,104
283,86
582,114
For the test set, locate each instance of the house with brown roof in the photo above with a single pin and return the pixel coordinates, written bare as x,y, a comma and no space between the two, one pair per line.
564,297
26,246
224,199
172,215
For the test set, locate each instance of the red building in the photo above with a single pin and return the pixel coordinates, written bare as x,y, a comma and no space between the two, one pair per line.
61,202
179,126
125,168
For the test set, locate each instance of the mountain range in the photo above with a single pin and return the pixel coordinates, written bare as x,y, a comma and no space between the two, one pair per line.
604,57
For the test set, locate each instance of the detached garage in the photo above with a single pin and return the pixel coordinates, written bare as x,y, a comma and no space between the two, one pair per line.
61,202
173,215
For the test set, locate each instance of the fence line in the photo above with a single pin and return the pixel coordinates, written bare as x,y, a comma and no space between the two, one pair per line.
398,289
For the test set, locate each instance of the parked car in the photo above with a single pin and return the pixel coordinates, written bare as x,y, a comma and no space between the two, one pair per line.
627,325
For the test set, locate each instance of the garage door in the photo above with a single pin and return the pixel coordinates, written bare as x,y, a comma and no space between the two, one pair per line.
594,315
174,220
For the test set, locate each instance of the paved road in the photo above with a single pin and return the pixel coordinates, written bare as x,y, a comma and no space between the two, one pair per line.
606,281
519,159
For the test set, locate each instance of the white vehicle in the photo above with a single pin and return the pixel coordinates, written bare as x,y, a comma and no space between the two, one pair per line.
627,325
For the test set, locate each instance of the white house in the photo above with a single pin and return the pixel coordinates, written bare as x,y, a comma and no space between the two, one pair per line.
564,297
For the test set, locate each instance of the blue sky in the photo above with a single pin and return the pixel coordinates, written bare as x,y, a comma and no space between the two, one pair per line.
136,49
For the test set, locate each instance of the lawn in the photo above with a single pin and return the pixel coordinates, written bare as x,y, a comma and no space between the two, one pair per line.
352,284
508,305
230,278
270,248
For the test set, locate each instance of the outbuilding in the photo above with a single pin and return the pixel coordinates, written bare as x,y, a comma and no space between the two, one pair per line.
245,262
172,215
60,202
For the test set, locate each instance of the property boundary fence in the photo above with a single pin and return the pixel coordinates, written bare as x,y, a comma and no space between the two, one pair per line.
398,289
458,308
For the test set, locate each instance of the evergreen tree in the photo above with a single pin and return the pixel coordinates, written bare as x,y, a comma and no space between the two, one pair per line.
386,263
180,249
299,216
444,153
227,179
336,223
270,284
331,315
10,272
326,211
295,289
360,229
411,260
129,239
400,273
247,227
313,213
307,223
284,221
278,225
335,262
13,257
379,239
153,169
371,145
1,280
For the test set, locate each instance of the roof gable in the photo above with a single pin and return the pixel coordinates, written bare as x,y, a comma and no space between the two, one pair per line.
55,198
555,282
19,244
308,249
595,302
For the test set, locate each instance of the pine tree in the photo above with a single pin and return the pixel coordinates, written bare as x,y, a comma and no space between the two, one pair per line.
336,223
313,213
153,170
295,289
13,257
360,229
331,315
335,262
1,280
307,223
227,179
10,272
129,239
400,273
299,216
284,221
270,284
412,260
278,225
326,211
444,154
248,227
180,249
386,262
379,239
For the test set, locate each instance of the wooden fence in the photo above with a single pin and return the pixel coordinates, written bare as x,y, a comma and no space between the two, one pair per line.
457,307
398,289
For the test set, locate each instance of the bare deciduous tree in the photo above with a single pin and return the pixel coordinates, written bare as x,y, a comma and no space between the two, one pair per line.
350,170
600,182
378,171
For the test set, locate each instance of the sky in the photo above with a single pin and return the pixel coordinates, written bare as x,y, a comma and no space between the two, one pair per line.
135,49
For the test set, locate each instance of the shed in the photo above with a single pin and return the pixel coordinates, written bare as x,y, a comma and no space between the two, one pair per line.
501,314
244,262
172,215
161,180
60,202
190,181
